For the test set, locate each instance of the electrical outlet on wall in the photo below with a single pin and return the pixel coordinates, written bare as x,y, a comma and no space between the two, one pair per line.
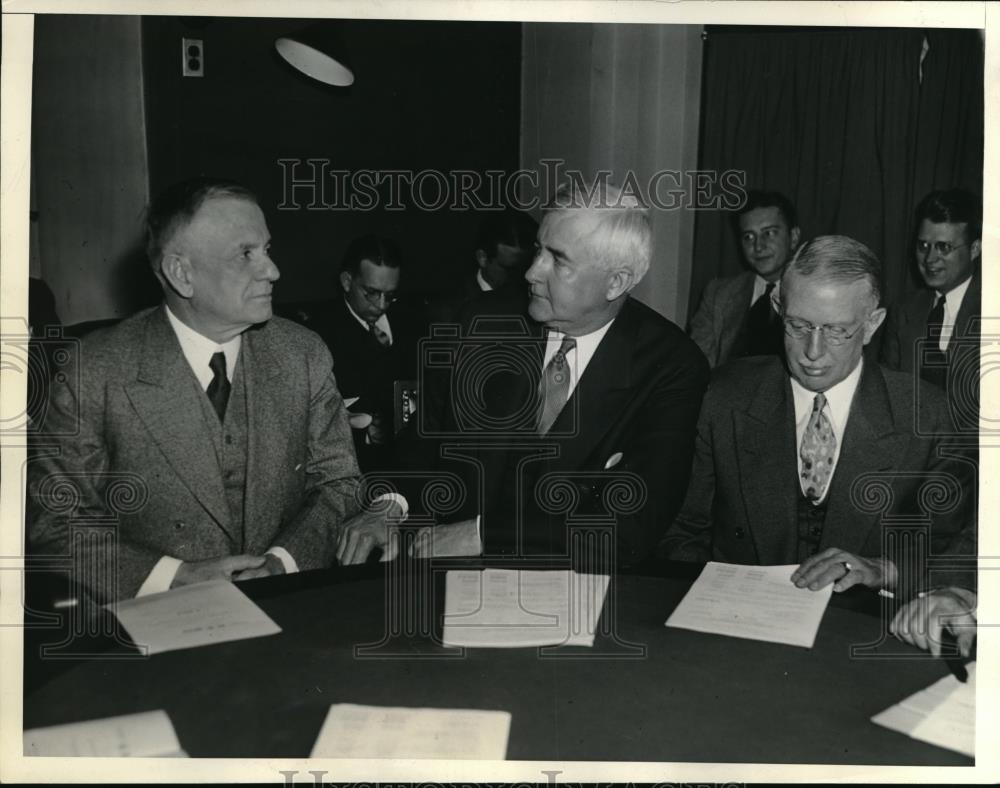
193,57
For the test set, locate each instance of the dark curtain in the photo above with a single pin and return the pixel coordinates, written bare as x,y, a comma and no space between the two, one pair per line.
842,122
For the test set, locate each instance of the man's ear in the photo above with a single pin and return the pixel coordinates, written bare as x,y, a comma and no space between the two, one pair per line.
873,322
976,248
345,281
795,235
619,283
176,271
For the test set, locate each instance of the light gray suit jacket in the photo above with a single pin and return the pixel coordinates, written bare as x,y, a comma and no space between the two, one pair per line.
130,452
716,325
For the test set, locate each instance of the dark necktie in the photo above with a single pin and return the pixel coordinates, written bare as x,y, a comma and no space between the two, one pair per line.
218,389
935,321
555,386
380,336
764,335
933,367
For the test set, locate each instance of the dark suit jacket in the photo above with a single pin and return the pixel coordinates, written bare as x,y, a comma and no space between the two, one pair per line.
621,447
366,369
741,504
717,324
907,325
130,444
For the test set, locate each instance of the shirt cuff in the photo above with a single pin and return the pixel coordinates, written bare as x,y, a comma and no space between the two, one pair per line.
286,559
399,500
161,577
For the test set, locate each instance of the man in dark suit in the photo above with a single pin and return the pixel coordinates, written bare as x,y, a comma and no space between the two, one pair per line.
372,342
201,439
735,317
936,332
804,464
587,410
503,252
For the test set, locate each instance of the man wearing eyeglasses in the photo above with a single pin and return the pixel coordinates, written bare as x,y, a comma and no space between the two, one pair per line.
804,462
371,346
935,331
735,317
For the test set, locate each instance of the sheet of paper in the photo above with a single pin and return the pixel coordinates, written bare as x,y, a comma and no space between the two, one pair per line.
943,714
201,614
146,735
510,608
754,602
352,731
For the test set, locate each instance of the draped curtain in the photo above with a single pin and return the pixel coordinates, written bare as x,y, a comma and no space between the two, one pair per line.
855,126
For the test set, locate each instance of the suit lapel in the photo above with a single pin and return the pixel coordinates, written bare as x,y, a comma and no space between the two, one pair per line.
970,310
767,457
736,311
871,443
266,395
165,397
601,393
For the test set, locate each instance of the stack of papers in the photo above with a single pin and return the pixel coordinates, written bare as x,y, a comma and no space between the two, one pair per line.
754,602
201,614
146,735
943,714
510,608
352,731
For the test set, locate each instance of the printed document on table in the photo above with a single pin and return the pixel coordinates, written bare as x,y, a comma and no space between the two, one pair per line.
754,602
201,614
352,731
943,714
511,608
148,734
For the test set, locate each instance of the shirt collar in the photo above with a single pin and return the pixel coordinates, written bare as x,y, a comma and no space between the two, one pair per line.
199,349
483,284
838,398
586,346
954,297
382,322
760,285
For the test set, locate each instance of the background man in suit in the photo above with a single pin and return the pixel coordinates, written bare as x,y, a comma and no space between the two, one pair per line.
948,251
372,346
605,389
735,317
779,451
212,432
504,247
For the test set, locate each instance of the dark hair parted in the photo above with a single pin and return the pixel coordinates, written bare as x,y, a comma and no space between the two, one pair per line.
757,198
953,206
381,251
510,227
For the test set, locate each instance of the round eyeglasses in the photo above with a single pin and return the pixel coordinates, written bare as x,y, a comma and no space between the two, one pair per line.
943,248
833,335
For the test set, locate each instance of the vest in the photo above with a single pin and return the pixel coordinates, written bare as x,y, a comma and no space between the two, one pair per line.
810,519
230,441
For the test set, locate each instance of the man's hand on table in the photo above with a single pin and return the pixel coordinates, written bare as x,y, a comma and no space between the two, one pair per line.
454,539
272,566
217,569
369,529
920,621
844,570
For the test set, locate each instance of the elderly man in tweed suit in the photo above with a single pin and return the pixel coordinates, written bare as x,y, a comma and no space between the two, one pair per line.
225,423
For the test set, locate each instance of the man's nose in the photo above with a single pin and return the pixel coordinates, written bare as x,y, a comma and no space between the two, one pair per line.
271,272
533,274
815,344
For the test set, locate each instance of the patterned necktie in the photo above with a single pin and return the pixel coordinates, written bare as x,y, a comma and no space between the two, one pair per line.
381,337
819,445
555,386
218,389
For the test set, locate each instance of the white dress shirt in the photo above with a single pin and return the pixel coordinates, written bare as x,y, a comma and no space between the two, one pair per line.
382,322
837,410
481,281
198,350
952,304
579,357
759,286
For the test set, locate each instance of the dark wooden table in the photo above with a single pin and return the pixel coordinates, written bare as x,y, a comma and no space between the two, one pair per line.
643,693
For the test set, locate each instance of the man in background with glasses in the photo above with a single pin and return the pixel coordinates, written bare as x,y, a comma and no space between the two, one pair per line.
371,346
805,461
935,333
